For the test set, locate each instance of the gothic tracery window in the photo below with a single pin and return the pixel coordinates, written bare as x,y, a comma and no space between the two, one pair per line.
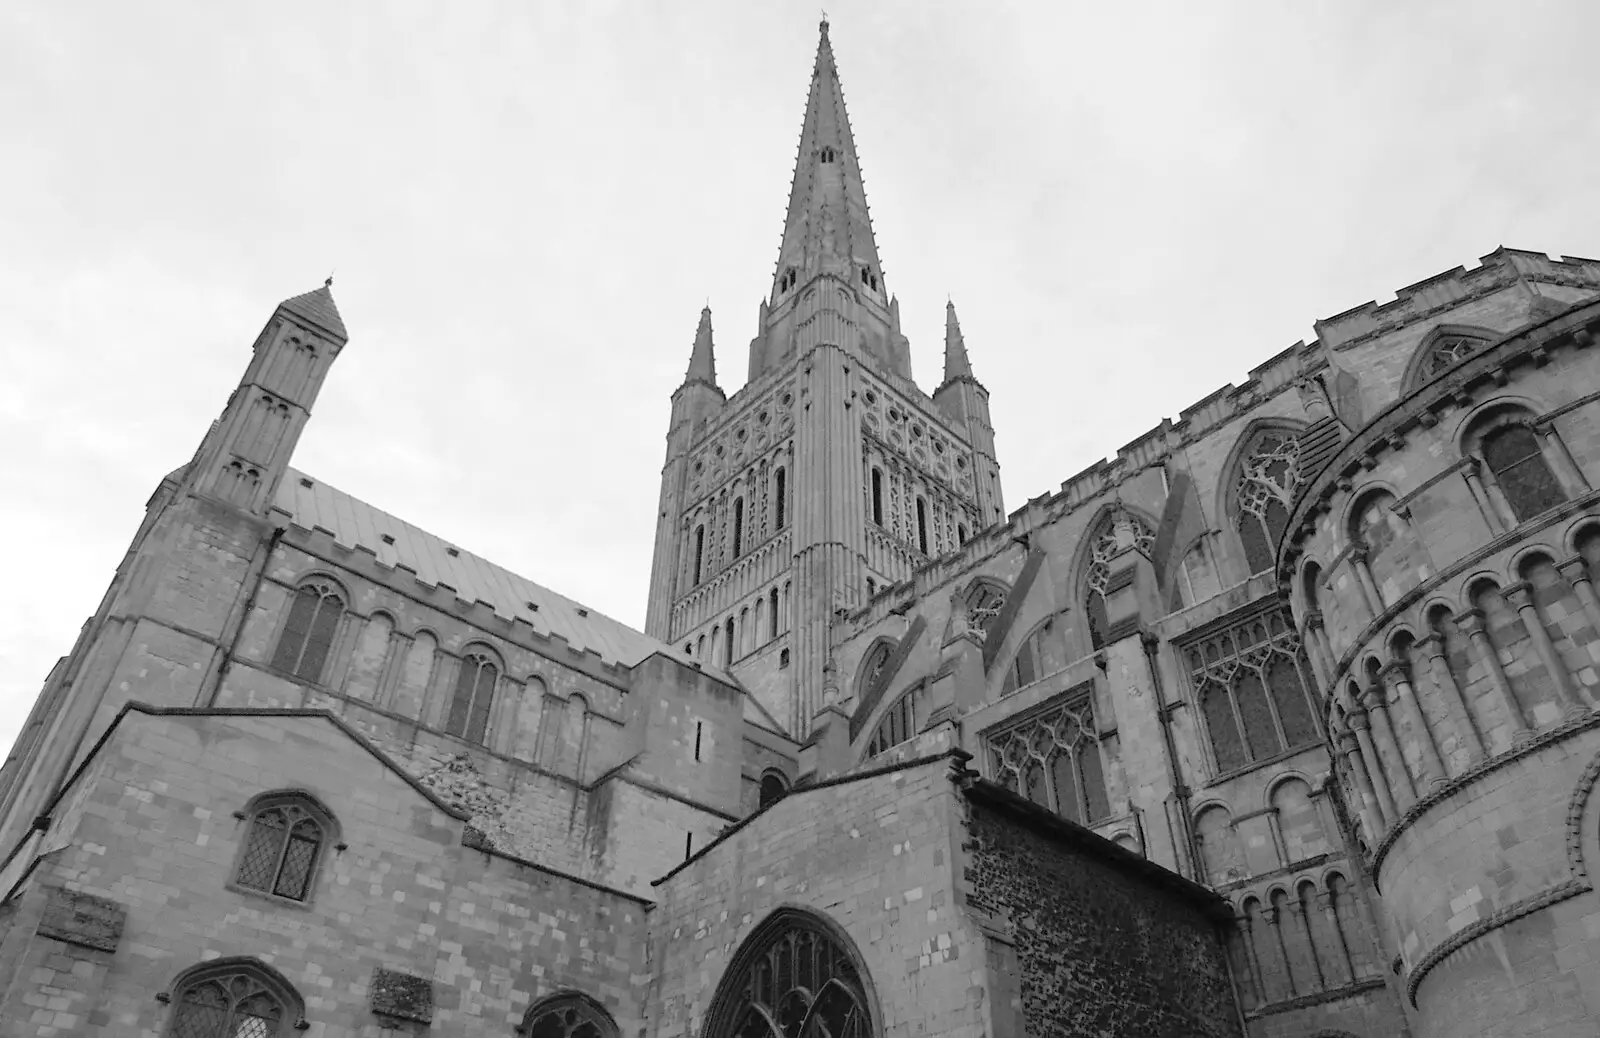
1053,759
1102,550
567,1016
286,838
231,998
1268,478
469,707
792,979
984,603
309,631
1254,689
1447,351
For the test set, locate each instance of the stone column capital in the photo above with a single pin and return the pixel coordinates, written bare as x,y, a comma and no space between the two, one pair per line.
1357,717
1314,621
1471,465
1470,620
1395,670
1432,643
1358,551
1575,569
1374,696
1520,595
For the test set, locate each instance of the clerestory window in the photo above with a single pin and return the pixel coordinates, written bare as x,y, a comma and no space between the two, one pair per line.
309,631
474,694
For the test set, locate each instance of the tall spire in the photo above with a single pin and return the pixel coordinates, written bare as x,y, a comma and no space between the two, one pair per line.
703,361
956,364
827,229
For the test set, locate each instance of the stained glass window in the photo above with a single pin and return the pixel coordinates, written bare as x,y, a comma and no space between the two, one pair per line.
281,849
469,708
1513,455
1053,759
792,979
1267,482
229,1001
1253,685
568,1016
1102,550
309,631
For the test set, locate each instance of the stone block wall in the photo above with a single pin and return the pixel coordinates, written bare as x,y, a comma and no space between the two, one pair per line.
155,844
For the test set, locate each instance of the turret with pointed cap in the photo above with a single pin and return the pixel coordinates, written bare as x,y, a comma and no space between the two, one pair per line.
703,358
964,399
246,453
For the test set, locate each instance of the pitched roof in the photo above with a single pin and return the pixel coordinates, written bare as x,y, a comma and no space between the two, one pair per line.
312,503
317,307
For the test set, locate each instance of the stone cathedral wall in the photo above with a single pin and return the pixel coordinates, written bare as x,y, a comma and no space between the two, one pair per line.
1114,603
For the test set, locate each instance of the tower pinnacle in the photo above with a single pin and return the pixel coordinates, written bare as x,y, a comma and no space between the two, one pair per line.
956,363
827,228
703,360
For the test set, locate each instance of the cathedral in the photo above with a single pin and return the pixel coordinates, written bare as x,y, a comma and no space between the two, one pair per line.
1281,722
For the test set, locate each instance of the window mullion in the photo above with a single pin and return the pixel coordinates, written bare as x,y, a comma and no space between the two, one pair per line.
1262,674
1238,719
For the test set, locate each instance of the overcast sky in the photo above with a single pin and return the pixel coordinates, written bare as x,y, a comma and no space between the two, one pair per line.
526,205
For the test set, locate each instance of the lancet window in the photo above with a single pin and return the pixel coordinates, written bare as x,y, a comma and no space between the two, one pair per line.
1053,758
309,631
1253,685
1268,478
469,707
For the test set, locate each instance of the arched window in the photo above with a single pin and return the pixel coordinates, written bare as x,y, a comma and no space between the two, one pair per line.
699,552
922,526
780,499
795,976
773,789
469,707
827,155
873,664
727,645
1269,474
877,496
234,998
1371,525
984,602
1516,460
1031,662
309,631
567,1015
872,588
788,280
1053,759
1102,550
287,835
772,612
738,527
898,724
1195,579
1253,685
961,534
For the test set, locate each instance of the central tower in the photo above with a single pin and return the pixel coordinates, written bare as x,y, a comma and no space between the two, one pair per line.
829,475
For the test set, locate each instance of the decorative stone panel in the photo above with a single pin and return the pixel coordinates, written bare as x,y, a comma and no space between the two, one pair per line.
82,919
402,996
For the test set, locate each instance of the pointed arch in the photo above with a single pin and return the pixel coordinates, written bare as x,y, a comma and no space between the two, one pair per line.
874,664
1091,575
796,964
1258,486
235,994
1442,349
567,1014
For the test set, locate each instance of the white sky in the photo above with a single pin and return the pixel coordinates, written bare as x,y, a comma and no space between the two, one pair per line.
526,205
